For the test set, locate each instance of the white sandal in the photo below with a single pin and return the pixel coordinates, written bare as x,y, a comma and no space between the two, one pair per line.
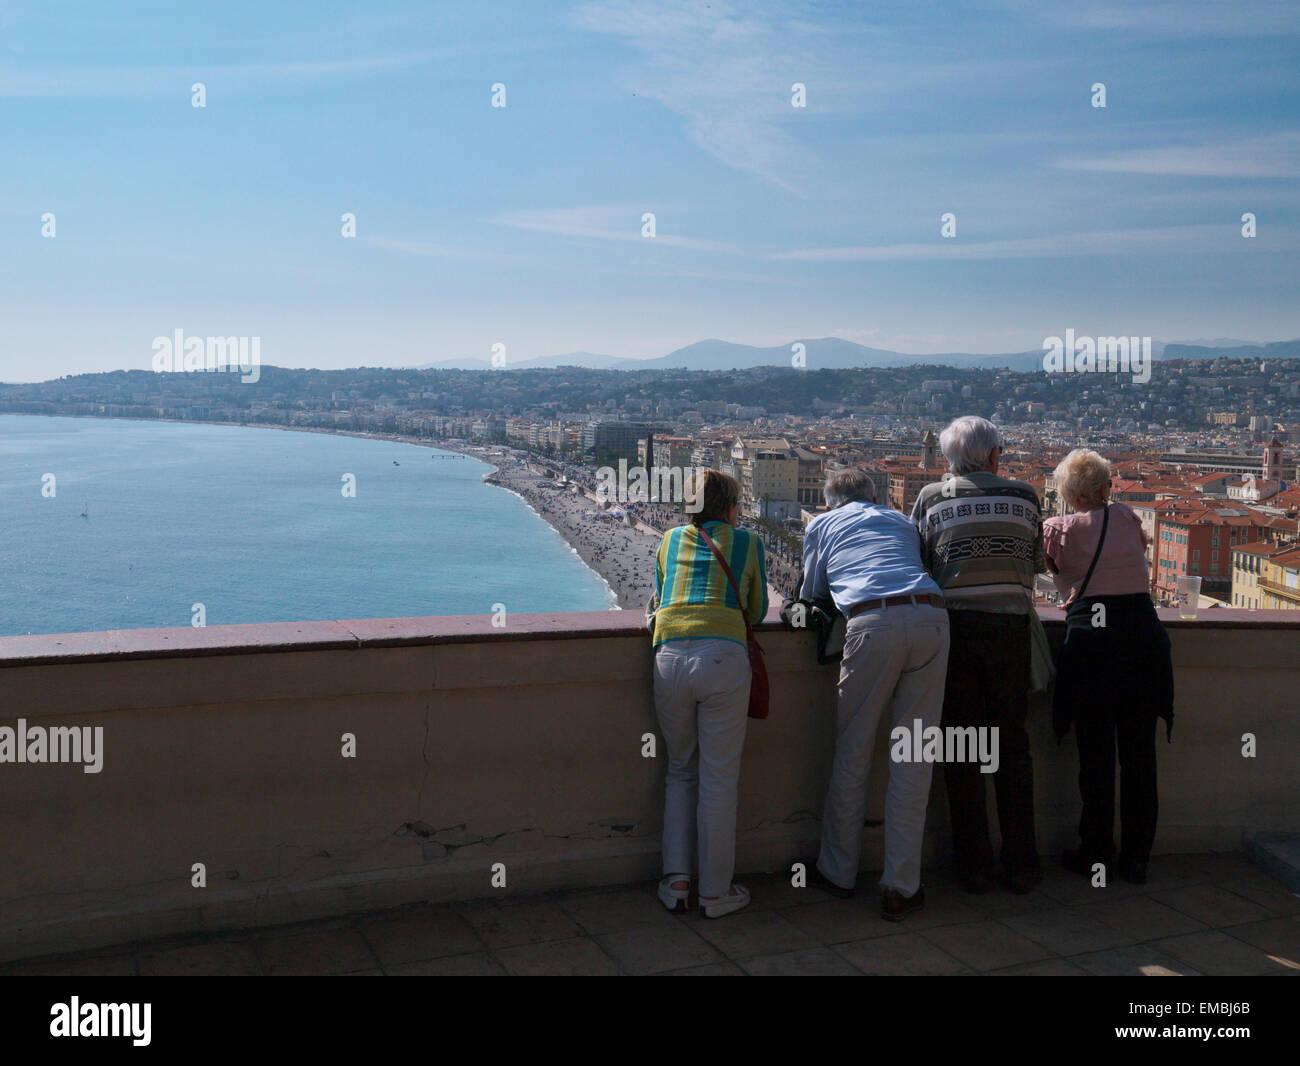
674,898
716,906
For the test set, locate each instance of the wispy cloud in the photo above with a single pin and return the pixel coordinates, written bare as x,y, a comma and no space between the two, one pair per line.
1170,18
437,251
1275,156
608,223
728,71
1217,239
725,73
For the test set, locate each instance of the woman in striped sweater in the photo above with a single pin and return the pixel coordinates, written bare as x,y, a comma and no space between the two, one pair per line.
701,677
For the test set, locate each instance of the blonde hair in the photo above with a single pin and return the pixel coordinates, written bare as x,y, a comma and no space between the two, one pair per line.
1081,477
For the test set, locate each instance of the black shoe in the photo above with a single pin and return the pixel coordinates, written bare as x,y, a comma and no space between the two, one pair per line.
1132,870
1024,881
894,906
1076,862
817,879
976,883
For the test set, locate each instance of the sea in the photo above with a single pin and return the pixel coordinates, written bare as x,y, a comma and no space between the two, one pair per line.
122,524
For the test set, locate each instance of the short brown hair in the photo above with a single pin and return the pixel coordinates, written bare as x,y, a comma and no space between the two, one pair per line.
719,492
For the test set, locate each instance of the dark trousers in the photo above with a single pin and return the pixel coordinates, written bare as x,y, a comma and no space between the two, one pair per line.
1100,729
1113,681
988,685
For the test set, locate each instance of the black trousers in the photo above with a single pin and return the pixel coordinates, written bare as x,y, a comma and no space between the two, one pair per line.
1101,730
988,685
1113,682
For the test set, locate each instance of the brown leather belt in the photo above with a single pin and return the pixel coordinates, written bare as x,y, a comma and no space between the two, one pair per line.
894,601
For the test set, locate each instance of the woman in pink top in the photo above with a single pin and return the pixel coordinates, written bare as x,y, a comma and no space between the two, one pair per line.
1114,676
1070,542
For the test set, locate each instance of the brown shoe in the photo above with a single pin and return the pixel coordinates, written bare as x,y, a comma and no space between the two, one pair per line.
894,906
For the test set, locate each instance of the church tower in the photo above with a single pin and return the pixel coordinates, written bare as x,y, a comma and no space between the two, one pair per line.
929,456
1273,460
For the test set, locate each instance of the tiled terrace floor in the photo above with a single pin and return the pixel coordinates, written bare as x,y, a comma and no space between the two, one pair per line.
1199,914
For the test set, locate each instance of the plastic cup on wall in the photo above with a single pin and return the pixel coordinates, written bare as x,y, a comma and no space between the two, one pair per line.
1188,593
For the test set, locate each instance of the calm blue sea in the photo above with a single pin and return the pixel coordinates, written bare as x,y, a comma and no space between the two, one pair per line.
252,523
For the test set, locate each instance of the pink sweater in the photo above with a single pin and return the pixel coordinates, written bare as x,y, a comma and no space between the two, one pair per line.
1069,543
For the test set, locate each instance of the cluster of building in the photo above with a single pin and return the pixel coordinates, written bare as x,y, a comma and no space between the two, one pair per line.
1198,451
1229,518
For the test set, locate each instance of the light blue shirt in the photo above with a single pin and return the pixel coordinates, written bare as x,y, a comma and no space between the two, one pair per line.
863,551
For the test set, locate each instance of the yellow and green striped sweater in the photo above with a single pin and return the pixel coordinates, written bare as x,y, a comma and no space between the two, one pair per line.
695,598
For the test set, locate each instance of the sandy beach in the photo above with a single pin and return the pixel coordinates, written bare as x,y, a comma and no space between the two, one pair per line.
624,555
621,552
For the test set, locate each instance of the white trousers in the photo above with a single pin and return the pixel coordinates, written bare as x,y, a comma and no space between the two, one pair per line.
895,662
701,701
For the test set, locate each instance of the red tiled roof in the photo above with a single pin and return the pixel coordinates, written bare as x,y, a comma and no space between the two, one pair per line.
1288,558
1211,517
1260,547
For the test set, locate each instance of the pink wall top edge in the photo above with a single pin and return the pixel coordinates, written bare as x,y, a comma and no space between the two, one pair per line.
41,649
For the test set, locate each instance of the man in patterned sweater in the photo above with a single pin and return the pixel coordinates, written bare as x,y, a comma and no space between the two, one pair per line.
982,541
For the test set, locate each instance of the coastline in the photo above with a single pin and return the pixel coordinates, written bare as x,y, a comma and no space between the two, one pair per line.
610,590
622,556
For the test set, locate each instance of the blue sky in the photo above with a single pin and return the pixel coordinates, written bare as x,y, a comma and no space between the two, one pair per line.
522,225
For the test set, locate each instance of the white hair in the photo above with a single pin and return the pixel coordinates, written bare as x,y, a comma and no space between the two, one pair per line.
1080,477
968,444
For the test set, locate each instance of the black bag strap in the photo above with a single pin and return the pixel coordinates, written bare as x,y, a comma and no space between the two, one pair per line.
1105,519
749,632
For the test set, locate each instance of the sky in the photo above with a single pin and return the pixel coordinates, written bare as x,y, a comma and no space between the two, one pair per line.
522,225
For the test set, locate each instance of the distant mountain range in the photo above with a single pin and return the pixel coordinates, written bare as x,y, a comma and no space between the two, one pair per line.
1241,350
589,360
835,353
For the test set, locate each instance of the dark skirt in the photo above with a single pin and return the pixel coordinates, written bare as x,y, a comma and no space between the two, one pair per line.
1115,651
